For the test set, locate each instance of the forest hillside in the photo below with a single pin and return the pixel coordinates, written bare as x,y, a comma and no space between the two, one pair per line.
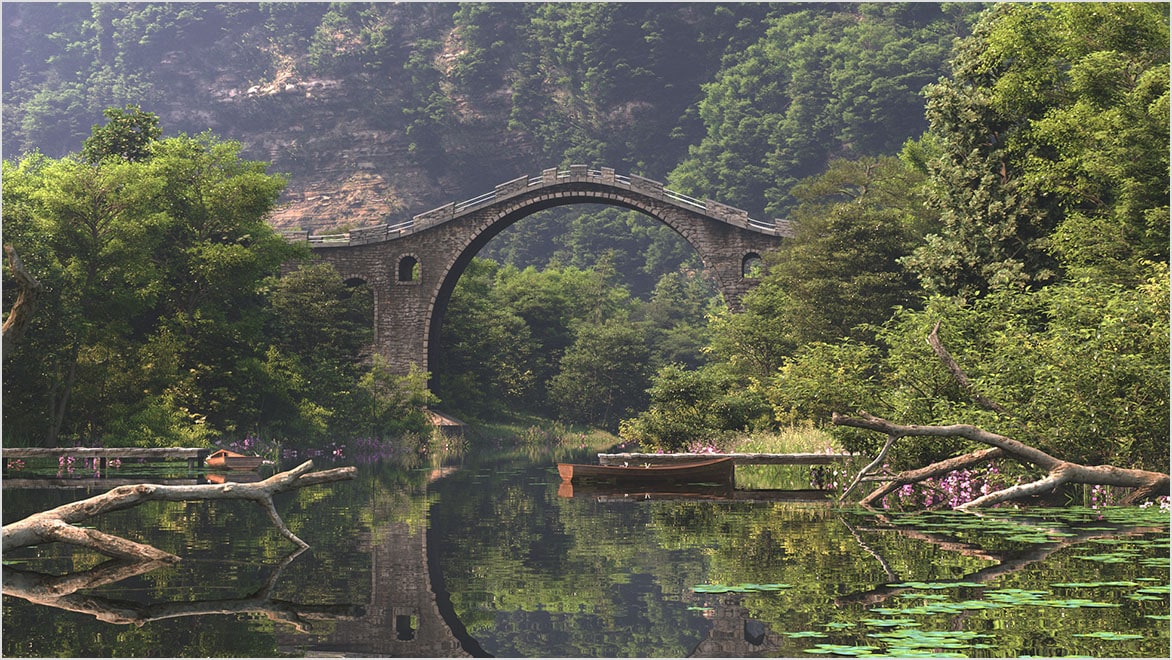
378,111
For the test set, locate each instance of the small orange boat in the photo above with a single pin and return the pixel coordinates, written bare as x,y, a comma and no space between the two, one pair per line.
715,471
230,460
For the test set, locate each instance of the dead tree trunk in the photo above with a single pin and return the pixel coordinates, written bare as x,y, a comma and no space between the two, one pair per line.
58,524
26,302
1059,472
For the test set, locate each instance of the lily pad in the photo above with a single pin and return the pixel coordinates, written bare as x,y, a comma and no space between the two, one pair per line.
1112,636
1076,603
1116,583
890,623
747,587
840,649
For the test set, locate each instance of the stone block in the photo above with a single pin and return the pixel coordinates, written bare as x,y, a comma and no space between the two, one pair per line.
646,186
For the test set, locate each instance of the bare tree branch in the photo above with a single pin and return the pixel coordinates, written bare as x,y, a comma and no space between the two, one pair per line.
957,373
1059,471
58,524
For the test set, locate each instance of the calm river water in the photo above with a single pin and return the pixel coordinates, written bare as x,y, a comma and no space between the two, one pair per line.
490,559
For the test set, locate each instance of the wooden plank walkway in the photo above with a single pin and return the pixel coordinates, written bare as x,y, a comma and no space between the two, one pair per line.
738,459
193,455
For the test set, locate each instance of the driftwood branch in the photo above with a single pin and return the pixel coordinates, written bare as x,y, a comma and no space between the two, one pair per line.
870,466
59,524
29,289
1059,472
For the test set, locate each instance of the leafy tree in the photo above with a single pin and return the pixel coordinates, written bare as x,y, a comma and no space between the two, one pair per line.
755,340
1080,369
90,231
677,315
1052,147
840,272
155,267
686,405
602,375
321,331
487,349
127,134
387,405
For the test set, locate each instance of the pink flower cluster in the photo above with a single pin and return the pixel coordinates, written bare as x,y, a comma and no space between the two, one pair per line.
951,490
702,447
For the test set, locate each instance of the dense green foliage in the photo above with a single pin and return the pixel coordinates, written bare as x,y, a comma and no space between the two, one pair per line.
565,342
164,319
1033,212
1049,149
822,82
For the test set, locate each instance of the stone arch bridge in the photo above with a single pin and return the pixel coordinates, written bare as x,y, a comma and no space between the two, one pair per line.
413,266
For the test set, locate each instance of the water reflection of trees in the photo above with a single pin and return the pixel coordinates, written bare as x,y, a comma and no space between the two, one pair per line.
61,592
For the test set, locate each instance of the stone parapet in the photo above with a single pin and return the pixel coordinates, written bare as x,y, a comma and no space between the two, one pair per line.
437,215
510,188
648,187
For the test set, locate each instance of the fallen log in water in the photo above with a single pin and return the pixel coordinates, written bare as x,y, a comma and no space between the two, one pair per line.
1147,484
59,524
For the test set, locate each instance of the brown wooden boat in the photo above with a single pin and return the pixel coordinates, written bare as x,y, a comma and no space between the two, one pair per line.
230,460
718,471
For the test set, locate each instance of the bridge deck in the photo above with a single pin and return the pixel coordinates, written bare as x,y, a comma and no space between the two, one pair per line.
738,459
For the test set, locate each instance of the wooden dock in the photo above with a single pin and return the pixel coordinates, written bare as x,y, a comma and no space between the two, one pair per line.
738,459
193,455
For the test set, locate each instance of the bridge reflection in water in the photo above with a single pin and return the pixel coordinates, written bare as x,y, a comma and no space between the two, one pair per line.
410,614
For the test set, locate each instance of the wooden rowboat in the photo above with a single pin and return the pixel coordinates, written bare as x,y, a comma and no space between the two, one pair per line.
232,461
718,470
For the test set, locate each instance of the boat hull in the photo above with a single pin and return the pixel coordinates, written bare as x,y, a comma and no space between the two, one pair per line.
719,471
228,460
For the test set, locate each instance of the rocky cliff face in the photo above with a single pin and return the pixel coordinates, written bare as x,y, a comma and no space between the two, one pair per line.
375,111
349,166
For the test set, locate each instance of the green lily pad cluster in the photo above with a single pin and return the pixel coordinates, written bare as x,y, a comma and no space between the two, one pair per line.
906,641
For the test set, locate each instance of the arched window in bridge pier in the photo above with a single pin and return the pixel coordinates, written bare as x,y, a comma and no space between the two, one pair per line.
752,267
408,271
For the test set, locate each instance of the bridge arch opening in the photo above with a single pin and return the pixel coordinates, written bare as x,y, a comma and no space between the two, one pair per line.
408,270
491,227
752,266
